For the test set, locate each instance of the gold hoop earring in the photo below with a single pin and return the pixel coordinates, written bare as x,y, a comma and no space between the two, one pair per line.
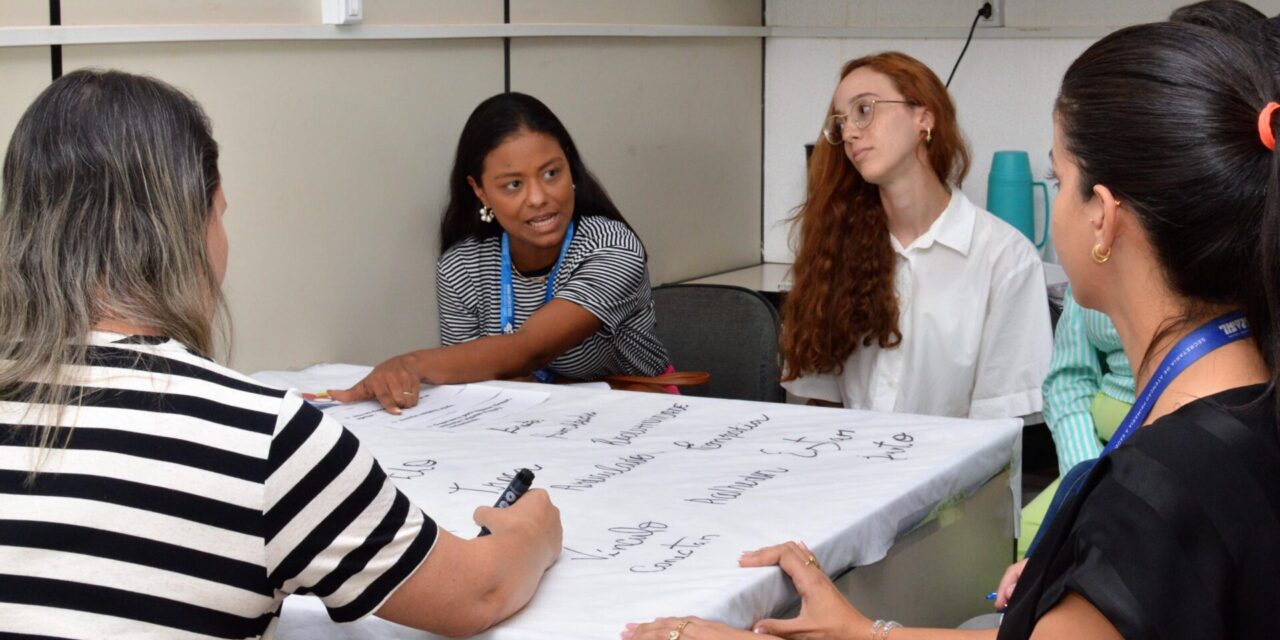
486,214
1099,256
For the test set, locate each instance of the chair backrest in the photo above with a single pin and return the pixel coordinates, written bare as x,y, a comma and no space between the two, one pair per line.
730,332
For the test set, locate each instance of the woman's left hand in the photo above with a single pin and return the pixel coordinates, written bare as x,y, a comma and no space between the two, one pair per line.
686,628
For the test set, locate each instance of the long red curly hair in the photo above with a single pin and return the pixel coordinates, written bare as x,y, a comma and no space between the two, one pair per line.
842,291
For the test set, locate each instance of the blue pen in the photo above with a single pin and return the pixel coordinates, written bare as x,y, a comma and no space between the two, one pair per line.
992,596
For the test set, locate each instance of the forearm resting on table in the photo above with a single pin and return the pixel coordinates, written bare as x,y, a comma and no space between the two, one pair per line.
555,328
467,586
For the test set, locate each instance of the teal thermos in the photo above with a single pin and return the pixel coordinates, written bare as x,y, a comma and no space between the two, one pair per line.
1010,195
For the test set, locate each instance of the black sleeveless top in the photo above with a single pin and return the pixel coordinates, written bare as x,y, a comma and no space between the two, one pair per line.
1174,535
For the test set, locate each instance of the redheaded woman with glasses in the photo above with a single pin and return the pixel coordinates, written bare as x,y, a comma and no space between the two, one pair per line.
907,297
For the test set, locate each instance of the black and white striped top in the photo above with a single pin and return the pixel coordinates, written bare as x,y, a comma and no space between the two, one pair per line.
604,272
189,501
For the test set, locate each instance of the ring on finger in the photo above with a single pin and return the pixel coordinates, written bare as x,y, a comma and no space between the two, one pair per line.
675,633
407,393
811,560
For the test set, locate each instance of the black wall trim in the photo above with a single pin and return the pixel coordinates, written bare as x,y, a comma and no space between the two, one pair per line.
764,92
55,51
506,49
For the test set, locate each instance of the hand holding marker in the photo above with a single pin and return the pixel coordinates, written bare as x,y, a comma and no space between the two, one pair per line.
518,486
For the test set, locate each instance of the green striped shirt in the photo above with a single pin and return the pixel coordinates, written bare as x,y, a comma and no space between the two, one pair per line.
1087,359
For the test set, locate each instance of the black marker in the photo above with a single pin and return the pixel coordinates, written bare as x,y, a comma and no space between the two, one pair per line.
519,485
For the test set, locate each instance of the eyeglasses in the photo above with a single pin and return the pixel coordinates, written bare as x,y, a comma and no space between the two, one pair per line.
859,116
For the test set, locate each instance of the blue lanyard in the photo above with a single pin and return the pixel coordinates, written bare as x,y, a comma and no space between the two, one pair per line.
1199,343
1216,333
508,302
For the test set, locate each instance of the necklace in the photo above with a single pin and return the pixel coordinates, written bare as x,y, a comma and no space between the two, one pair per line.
536,279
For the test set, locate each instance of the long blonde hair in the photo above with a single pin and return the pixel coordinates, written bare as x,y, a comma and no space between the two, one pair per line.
108,186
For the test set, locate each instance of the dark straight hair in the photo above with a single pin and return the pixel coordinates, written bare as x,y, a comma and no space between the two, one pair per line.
493,122
1227,16
1166,116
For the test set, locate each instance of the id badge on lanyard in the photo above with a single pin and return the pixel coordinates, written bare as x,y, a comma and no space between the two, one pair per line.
1208,337
1204,340
507,307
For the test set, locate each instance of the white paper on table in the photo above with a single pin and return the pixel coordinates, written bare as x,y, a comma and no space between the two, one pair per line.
658,495
316,379
446,407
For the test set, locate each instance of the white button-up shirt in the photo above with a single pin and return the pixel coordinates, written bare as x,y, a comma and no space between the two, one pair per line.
974,317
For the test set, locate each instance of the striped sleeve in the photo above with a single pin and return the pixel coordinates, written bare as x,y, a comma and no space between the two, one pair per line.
1075,376
608,283
335,525
457,323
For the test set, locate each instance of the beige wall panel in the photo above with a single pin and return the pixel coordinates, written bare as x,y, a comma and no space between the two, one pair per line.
24,13
697,12
82,12
951,13
672,128
25,71
334,160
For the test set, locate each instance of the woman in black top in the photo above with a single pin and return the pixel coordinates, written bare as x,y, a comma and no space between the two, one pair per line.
1168,221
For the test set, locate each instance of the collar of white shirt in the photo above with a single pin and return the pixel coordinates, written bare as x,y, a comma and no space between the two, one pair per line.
954,228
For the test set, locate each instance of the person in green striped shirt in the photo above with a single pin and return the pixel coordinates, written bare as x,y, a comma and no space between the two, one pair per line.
1087,393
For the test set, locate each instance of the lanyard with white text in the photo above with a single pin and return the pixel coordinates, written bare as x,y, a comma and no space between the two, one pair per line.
1196,345
1199,343
508,302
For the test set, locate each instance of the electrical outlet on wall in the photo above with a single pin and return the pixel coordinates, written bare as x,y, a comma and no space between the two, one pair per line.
342,11
997,14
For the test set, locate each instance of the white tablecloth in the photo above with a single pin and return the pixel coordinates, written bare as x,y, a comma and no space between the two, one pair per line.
660,494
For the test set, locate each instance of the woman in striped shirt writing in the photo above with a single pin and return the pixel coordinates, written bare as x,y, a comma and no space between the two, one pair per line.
146,491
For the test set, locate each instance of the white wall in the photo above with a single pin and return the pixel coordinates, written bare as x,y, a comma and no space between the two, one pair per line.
1037,14
669,146
1003,90
24,71
334,162
336,151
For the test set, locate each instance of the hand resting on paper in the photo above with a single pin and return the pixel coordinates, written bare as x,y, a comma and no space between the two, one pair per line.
824,611
690,628
394,384
552,330
825,614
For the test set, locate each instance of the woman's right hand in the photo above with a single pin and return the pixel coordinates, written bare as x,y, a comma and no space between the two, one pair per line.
825,614
394,384
1008,583
487,579
533,517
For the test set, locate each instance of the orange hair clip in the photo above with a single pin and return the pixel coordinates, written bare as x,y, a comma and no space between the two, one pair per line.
1264,125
